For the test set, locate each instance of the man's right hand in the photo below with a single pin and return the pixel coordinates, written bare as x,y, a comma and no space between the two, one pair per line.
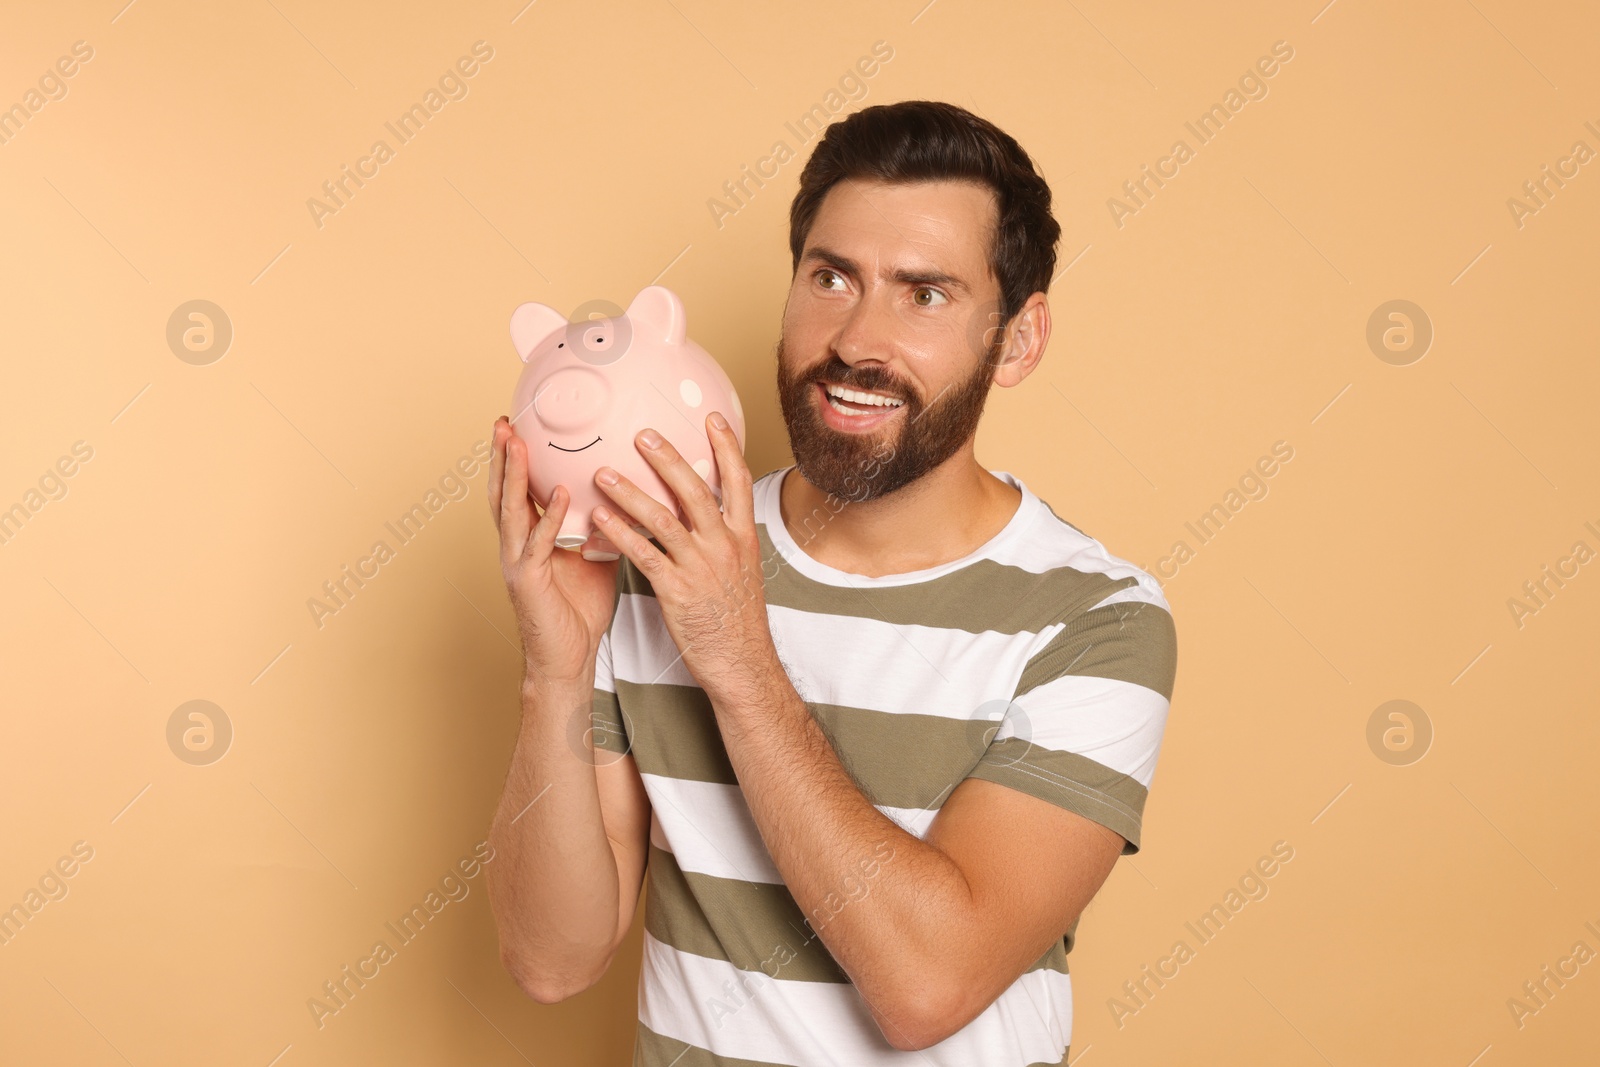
562,601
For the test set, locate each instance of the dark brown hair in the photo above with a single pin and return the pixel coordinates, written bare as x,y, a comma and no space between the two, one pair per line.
926,140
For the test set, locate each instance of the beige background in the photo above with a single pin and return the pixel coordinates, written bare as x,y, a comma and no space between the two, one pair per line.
1229,313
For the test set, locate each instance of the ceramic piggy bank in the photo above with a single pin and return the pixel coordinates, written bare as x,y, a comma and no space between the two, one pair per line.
589,387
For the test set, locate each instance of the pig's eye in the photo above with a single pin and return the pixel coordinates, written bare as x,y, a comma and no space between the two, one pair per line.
563,344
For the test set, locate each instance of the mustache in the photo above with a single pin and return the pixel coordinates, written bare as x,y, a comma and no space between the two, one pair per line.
867,379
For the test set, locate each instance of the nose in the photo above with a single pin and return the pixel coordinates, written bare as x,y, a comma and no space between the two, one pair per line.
572,398
866,333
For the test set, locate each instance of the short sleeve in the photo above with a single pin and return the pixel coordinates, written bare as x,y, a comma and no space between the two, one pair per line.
1084,726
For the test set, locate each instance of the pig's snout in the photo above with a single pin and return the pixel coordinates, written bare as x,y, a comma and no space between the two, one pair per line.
571,399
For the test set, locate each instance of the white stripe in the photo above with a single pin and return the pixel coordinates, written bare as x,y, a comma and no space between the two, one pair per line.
1146,592
892,668
602,664
1049,543
916,821
708,828
866,663
1115,723
749,1015
1043,544
644,652
916,669
929,670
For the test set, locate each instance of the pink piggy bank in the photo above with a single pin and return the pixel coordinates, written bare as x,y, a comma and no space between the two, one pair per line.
590,387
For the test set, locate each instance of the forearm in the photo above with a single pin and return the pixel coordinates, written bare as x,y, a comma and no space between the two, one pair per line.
897,937
554,887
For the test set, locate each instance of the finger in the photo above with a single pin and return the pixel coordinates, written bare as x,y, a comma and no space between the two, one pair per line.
515,507
543,541
738,503
497,467
640,552
640,507
699,503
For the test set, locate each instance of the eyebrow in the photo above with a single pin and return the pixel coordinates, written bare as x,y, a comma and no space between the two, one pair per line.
819,254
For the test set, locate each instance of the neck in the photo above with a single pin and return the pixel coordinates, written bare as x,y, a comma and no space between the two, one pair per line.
942,516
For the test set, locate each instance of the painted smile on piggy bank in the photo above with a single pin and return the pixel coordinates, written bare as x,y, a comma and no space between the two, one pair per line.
591,444
601,381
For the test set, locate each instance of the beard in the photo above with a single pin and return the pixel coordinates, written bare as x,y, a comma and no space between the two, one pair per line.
862,467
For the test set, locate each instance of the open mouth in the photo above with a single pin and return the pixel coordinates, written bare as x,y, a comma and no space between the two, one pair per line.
589,445
855,410
856,403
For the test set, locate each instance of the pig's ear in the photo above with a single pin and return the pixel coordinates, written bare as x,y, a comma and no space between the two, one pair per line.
658,313
532,323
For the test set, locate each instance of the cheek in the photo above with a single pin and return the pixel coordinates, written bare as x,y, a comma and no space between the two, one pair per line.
937,376
805,314
937,338
935,359
808,330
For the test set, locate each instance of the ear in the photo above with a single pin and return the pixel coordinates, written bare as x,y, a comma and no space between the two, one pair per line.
1027,335
658,313
532,323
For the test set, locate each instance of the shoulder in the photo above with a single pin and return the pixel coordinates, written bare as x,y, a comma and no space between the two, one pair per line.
1073,567
1096,612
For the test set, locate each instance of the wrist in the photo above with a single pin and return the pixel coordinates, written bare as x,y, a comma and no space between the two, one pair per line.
749,681
537,684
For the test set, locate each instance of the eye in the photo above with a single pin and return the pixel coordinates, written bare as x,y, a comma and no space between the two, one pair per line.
927,296
825,274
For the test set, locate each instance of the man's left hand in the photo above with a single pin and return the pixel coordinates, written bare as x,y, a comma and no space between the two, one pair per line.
708,579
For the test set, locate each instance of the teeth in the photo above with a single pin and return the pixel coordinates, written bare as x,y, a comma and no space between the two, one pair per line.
854,413
856,397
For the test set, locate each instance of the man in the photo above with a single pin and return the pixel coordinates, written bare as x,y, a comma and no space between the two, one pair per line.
880,723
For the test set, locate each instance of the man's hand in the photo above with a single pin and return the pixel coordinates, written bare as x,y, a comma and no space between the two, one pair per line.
563,602
708,581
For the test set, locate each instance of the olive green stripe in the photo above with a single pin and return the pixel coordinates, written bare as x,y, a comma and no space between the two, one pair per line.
901,760
1129,642
1070,781
606,720
747,924
655,1050
982,596
757,926
897,760
1064,946
673,732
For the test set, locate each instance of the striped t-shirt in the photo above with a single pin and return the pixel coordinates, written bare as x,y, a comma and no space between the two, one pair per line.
1039,662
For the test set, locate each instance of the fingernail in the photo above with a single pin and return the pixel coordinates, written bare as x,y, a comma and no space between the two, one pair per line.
602,513
718,421
650,439
606,476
